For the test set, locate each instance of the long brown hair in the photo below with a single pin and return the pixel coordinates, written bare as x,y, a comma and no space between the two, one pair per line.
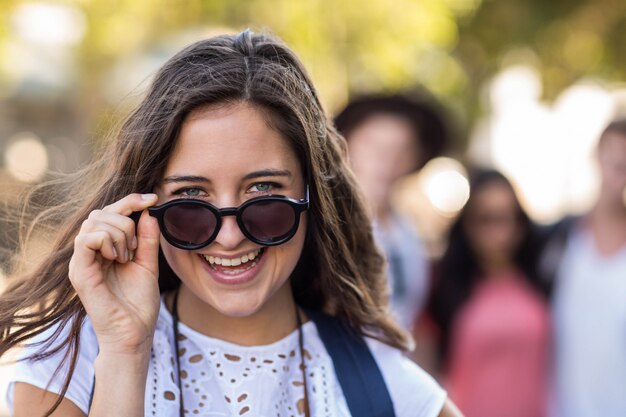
340,270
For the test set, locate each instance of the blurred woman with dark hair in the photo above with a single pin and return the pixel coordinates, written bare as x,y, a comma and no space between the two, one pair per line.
493,319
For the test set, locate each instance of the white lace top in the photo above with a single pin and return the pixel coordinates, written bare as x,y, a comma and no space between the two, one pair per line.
224,379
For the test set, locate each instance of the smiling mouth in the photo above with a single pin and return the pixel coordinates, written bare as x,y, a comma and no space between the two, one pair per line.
234,266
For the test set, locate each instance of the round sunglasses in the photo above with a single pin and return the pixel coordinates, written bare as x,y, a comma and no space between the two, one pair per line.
193,224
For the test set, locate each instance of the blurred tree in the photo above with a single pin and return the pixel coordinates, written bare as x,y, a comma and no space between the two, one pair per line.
348,46
449,46
565,40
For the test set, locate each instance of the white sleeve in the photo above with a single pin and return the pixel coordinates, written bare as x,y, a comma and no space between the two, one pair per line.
40,373
413,392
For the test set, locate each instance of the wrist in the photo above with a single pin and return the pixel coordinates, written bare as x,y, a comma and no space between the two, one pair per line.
108,362
108,346
120,383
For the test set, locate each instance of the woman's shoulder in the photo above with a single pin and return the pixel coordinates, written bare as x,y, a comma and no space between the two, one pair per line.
43,363
413,391
50,346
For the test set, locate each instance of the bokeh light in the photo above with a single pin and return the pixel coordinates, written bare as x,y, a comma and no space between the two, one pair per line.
26,158
445,184
546,149
514,86
49,24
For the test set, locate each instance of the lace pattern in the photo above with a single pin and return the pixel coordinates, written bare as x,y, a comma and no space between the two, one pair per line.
223,379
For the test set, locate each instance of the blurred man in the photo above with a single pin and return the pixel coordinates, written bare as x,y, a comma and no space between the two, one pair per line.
589,255
388,138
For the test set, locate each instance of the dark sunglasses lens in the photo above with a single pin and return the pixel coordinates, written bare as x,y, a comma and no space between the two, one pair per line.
189,223
269,221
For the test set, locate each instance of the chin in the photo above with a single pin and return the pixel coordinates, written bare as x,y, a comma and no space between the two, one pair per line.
236,308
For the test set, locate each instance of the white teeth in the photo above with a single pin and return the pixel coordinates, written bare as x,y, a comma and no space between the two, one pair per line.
214,260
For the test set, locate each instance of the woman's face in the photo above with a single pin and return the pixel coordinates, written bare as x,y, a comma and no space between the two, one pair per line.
225,155
382,149
612,161
492,226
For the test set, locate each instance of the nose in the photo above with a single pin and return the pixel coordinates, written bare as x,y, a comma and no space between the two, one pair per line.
230,235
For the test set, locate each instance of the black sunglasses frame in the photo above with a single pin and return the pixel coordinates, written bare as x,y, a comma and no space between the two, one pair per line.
298,205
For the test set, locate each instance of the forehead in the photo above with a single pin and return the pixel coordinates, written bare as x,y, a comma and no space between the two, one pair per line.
230,139
384,128
494,195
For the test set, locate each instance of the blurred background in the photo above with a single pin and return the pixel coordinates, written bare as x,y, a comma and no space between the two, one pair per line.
528,85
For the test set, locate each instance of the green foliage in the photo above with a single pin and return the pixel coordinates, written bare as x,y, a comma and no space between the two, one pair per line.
449,46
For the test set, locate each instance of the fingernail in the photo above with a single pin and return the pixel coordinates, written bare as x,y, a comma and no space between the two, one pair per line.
133,244
148,197
115,253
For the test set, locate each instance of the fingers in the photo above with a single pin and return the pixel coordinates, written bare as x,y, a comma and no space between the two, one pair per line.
97,241
147,252
131,203
111,232
89,251
116,214
121,234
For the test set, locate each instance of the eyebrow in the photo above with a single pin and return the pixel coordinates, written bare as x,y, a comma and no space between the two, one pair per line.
183,178
256,174
268,173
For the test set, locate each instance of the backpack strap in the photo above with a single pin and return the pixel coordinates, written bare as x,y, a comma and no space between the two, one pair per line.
360,378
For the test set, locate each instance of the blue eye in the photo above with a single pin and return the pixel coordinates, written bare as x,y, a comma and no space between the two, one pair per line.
192,192
188,192
264,187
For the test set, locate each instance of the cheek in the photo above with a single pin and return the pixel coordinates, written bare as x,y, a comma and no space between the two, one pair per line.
289,253
176,258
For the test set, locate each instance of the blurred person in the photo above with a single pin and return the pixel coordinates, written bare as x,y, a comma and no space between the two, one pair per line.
492,315
390,137
250,285
585,262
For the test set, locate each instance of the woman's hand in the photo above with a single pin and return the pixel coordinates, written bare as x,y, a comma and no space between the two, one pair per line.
114,270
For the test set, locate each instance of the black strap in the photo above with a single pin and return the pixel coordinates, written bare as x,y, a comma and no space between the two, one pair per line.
93,385
360,378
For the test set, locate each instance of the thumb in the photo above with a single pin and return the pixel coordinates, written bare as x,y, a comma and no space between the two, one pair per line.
148,233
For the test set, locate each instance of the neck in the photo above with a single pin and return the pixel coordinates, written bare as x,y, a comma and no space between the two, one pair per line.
382,213
608,226
609,210
275,320
497,267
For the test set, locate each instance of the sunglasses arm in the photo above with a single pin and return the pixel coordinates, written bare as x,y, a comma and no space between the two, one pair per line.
306,197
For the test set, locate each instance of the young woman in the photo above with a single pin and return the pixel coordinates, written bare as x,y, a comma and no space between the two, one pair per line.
493,318
250,226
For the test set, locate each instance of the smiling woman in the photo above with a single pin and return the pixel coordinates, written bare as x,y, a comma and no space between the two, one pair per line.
249,280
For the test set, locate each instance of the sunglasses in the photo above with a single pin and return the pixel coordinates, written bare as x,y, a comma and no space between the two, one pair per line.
193,224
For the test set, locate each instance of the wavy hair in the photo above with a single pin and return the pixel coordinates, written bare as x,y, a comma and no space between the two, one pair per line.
260,70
